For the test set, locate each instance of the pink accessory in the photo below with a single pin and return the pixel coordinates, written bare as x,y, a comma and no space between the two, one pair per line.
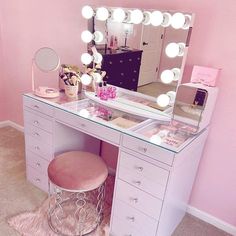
205,75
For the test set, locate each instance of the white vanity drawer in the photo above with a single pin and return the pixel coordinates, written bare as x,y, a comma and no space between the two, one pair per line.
42,149
37,178
37,162
39,134
38,106
89,127
138,199
148,149
143,175
34,119
132,218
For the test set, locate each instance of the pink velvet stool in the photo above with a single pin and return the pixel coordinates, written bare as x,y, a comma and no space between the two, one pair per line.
77,190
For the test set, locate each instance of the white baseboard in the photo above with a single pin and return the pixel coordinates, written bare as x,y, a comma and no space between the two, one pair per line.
12,124
212,220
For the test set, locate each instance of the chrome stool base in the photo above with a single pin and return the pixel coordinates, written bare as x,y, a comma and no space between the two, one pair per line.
75,213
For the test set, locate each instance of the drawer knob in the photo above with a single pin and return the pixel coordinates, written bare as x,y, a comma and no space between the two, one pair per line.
36,134
134,200
142,149
137,182
132,219
36,106
83,125
38,180
139,168
36,122
36,148
38,164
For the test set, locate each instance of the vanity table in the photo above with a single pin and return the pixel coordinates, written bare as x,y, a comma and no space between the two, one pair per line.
153,180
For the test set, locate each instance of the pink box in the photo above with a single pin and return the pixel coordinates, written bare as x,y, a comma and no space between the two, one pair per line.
205,75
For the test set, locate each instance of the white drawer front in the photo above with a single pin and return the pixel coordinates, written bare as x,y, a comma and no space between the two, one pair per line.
42,149
37,178
37,162
39,134
138,199
143,175
148,149
38,106
96,130
34,119
132,218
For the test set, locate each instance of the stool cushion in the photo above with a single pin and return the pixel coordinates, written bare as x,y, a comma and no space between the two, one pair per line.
76,170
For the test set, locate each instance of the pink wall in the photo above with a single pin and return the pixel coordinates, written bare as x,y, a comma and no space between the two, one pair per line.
30,24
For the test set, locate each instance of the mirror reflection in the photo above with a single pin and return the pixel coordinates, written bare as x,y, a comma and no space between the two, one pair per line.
148,58
189,105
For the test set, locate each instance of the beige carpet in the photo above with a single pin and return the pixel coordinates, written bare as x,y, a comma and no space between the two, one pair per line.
17,195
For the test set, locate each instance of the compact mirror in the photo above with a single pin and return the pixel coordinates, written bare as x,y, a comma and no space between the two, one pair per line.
189,105
46,60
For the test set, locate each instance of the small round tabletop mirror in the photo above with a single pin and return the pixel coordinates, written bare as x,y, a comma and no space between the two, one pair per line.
46,59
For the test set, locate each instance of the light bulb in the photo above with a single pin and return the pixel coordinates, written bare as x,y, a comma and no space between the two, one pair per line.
166,19
136,16
178,20
118,15
87,12
98,36
172,95
84,113
163,100
97,58
86,58
147,18
167,76
102,14
176,72
86,79
187,22
97,77
86,36
156,18
175,49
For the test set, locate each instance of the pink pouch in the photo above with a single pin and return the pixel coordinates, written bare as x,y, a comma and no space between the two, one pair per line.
205,75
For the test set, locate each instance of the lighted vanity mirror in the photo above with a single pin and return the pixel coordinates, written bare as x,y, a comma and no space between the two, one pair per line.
189,106
146,55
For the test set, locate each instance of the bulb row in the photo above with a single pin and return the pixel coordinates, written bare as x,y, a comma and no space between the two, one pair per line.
156,18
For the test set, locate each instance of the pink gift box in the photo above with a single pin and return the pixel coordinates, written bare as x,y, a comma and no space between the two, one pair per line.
205,75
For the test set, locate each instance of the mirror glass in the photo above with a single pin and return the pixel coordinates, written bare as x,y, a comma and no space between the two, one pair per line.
136,53
46,59
189,105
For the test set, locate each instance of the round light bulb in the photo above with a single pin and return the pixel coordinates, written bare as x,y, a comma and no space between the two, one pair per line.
98,36
87,12
84,113
86,36
97,77
172,95
176,72
118,15
163,100
156,18
147,18
167,76
167,18
178,20
136,16
175,49
86,58
86,79
97,58
102,14
187,22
